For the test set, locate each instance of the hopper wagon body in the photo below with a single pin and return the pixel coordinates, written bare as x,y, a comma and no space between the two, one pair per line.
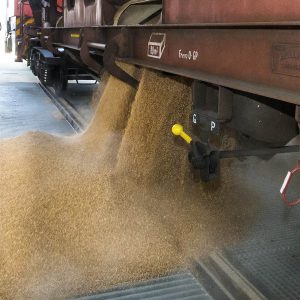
243,58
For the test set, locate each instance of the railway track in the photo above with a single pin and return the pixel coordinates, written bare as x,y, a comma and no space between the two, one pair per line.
70,113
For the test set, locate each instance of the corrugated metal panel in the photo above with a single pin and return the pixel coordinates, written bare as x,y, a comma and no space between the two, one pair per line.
82,15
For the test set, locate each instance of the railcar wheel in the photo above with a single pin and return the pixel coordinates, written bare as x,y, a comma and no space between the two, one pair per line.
33,63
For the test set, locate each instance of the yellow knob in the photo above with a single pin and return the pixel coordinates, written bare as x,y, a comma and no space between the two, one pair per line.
177,130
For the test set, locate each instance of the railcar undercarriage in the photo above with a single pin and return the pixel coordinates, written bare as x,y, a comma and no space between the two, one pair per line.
244,67
254,100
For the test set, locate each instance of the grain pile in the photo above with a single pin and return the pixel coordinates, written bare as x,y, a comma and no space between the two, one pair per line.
112,205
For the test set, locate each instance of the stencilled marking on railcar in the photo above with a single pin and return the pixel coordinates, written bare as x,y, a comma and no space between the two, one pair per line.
286,59
157,45
75,35
192,55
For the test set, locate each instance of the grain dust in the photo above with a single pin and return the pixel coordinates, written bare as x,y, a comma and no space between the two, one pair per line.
113,205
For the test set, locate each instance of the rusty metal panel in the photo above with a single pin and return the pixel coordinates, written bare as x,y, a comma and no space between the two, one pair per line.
262,61
230,11
17,9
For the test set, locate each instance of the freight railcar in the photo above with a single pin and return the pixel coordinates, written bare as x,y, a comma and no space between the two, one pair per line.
21,14
242,56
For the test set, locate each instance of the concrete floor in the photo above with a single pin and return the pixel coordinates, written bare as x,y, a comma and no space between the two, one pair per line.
80,96
23,104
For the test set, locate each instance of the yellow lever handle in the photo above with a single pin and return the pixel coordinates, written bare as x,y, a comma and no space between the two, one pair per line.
177,130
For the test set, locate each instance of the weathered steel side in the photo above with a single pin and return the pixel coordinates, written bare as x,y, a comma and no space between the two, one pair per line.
261,60
230,11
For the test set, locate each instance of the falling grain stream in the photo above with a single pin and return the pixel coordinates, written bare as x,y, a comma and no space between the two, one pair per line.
115,204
